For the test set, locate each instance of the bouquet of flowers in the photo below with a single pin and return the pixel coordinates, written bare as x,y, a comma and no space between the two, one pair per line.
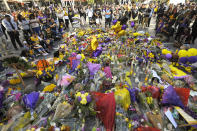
83,98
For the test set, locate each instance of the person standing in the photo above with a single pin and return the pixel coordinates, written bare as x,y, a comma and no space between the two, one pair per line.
90,14
134,14
12,31
140,14
66,19
34,24
83,15
150,11
60,15
24,25
3,43
97,14
108,17
4,30
194,30
70,15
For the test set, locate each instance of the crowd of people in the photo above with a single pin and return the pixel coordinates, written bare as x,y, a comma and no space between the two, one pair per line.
42,26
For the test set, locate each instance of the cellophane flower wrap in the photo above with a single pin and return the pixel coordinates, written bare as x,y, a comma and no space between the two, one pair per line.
106,106
66,80
31,99
170,97
122,97
183,94
93,68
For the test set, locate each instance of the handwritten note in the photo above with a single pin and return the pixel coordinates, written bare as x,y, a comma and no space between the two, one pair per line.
170,117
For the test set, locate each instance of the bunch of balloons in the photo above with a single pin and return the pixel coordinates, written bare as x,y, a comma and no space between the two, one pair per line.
167,53
192,55
185,56
119,29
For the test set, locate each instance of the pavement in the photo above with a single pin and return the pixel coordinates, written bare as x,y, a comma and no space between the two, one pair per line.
150,30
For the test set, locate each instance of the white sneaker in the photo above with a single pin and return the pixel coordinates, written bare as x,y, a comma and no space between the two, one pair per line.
45,54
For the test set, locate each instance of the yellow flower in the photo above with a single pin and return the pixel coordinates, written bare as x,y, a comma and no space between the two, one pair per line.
33,64
188,69
86,94
149,100
39,73
121,114
78,94
65,103
56,76
33,129
126,119
130,125
83,102
49,88
14,81
23,74
83,96
117,113
151,55
56,94
78,66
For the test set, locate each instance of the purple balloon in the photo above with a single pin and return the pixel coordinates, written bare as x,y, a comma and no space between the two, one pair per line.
114,22
79,98
168,56
124,27
192,59
132,24
88,98
183,60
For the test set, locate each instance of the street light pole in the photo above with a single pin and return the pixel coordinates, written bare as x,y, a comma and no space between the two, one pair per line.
6,4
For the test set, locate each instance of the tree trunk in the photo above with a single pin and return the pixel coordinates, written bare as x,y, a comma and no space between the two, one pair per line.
19,75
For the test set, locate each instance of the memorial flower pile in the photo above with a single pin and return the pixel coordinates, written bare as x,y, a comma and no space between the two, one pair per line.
114,80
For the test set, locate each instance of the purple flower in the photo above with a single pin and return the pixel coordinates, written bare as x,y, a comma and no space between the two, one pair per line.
88,98
9,74
79,98
82,92
1,98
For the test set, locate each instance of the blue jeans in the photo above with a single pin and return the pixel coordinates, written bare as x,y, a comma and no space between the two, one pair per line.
37,30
